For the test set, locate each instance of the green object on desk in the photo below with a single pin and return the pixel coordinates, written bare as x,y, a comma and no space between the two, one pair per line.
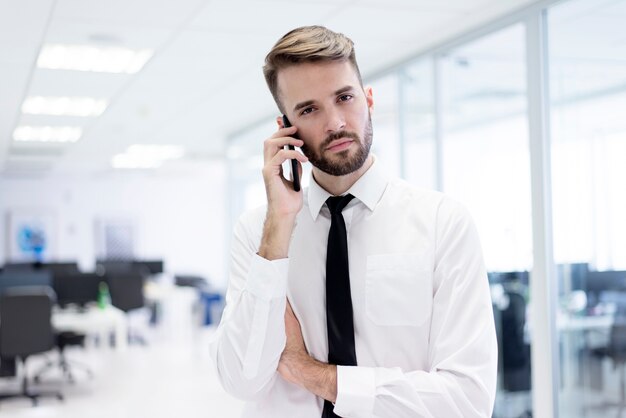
104,297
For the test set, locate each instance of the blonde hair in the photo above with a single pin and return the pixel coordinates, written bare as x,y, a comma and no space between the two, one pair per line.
306,44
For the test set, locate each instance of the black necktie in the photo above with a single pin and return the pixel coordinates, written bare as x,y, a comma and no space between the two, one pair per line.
339,321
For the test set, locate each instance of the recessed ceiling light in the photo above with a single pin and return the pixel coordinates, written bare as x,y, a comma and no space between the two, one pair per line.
47,133
134,161
105,38
64,106
147,156
90,58
160,152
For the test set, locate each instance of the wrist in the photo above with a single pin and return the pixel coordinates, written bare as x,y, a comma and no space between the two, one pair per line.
280,217
276,237
318,378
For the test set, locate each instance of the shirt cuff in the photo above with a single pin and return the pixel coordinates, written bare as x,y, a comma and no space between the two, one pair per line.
267,279
356,391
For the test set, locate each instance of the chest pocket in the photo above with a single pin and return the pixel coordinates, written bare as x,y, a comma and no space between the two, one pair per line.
398,289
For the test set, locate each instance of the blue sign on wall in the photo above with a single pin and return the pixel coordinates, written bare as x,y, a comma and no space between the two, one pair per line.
32,240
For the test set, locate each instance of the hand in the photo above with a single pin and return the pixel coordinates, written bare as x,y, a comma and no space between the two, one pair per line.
282,200
283,203
295,351
298,367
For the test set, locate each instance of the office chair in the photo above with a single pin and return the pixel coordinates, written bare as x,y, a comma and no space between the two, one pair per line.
126,289
513,351
26,329
62,340
71,288
616,351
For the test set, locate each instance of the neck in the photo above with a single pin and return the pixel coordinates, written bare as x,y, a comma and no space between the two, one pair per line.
338,185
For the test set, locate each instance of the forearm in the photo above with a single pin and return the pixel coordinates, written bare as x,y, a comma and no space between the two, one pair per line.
319,378
277,231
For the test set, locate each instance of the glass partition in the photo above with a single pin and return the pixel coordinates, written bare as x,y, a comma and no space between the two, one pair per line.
588,102
486,166
385,118
419,159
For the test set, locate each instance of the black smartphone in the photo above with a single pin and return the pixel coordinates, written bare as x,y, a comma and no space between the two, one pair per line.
294,162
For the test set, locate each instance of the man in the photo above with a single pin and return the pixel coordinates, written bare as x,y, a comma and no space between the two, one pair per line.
372,303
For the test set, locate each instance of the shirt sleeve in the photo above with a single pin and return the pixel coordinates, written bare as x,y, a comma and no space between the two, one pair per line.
251,336
461,378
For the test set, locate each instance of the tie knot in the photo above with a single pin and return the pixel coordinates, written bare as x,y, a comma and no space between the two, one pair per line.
337,203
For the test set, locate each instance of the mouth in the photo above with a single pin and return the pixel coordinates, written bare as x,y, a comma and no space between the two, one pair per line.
339,145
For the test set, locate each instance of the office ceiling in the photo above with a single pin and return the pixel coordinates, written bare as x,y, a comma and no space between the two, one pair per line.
204,79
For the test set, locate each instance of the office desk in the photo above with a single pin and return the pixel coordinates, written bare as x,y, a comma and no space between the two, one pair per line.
567,323
94,321
574,336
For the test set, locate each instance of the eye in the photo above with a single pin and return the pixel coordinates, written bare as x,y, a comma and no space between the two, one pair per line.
345,97
306,111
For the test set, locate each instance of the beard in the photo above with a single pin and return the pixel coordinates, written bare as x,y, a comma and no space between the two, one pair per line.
343,163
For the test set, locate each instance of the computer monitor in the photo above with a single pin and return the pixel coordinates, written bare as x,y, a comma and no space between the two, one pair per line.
504,277
77,288
599,282
16,278
58,268
151,266
22,266
114,266
571,276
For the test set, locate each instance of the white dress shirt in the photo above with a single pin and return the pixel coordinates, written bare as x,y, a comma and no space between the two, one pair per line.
423,322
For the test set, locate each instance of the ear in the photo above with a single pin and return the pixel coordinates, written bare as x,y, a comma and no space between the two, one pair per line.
369,97
279,122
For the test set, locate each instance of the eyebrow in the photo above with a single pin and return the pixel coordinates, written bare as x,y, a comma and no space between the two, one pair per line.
302,104
310,102
344,90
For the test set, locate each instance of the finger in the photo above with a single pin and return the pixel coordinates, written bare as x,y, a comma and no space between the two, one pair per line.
287,154
272,145
284,132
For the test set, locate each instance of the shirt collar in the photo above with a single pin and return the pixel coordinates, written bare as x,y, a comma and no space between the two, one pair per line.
369,189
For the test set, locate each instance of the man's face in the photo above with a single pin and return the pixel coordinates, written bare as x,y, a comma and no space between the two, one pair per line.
332,112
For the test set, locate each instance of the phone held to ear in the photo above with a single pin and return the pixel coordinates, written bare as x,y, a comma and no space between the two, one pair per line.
294,162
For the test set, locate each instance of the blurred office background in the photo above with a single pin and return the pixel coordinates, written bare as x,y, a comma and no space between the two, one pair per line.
130,142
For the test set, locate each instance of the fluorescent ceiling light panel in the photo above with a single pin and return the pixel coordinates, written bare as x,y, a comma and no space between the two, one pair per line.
47,133
64,106
90,58
134,161
159,152
147,156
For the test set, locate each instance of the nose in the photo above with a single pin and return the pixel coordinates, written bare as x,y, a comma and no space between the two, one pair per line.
335,120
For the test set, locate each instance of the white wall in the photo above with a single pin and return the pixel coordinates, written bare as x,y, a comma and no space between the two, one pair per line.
178,217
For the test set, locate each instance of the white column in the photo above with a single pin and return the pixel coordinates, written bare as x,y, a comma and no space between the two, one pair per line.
438,122
543,286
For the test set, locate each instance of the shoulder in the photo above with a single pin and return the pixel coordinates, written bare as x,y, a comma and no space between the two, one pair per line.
441,206
249,226
400,191
253,216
